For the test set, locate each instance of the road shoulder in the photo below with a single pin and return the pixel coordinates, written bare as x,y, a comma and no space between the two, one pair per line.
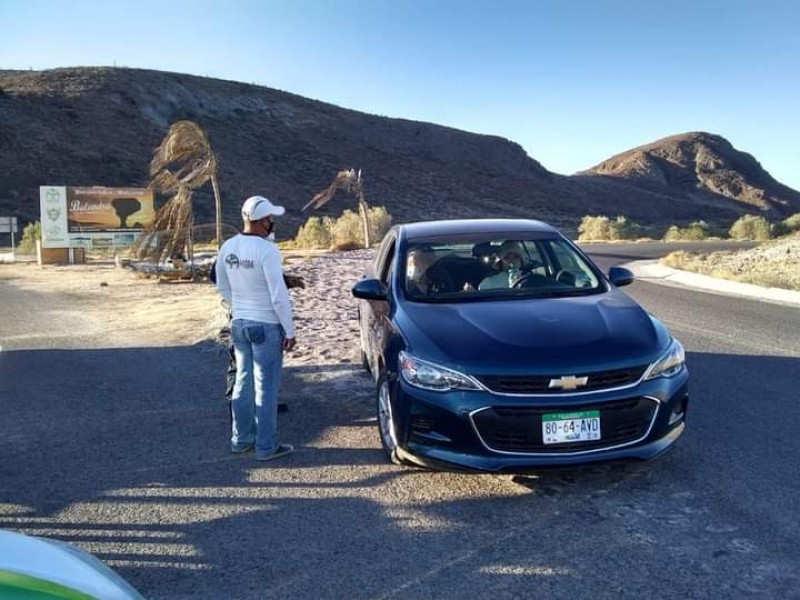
654,272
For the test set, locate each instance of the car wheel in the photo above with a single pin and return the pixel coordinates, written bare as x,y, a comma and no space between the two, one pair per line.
386,425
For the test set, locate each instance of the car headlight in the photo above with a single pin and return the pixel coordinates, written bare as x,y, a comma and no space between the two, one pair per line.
671,362
430,376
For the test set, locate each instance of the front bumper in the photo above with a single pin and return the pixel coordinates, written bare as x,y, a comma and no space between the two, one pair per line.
485,431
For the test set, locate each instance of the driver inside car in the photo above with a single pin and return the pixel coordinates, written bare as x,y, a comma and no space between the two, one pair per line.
509,262
423,275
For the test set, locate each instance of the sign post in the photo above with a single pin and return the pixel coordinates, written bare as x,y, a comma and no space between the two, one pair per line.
9,225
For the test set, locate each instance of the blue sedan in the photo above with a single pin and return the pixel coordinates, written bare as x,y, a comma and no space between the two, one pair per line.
497,345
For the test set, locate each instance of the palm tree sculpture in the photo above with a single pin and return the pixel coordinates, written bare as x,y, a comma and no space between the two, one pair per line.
350,182
182,163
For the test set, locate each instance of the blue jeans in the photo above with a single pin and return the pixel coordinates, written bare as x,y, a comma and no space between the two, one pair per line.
254,405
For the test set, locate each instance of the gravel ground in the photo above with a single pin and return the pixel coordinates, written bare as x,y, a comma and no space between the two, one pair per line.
774,264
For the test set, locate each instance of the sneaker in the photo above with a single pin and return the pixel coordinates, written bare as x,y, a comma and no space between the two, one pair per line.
282,450
242,449
283,407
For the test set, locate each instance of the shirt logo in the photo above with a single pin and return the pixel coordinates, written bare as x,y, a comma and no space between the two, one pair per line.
234,262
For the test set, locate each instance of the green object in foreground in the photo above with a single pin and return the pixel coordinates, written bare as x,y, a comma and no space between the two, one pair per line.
16,586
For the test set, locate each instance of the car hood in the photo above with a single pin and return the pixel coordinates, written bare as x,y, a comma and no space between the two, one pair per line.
534,335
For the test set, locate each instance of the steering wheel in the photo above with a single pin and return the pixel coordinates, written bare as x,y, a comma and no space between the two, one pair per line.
523,279
566,277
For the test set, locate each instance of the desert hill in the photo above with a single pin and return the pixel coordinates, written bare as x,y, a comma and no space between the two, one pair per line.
701,165
99,126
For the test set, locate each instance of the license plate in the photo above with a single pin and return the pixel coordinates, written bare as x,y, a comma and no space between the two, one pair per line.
561,428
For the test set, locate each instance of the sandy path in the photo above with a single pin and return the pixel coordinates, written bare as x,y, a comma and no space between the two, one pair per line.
326,317
131,310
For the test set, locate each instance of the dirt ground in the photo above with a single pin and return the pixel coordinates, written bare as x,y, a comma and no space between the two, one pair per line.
136,309
131,307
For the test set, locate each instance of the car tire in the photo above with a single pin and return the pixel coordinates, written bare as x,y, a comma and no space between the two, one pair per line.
386,426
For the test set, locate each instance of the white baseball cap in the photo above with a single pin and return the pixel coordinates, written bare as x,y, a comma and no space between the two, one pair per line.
256,208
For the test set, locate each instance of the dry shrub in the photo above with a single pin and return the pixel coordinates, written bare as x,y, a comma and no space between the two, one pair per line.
343,233
768,265
786,227
679,260
594,228
381,221
30,234
695,263
602,228
347,229
627,229
698,230
750,227
767,279
313,234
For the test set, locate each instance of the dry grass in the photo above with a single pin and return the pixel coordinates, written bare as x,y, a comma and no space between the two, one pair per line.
774,264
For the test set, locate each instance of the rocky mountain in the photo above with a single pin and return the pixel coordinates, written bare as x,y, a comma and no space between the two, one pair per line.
703,166
99,126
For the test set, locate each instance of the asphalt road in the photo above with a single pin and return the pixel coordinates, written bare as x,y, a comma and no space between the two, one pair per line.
123,451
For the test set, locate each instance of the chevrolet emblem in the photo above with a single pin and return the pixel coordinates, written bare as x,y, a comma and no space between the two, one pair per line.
568,382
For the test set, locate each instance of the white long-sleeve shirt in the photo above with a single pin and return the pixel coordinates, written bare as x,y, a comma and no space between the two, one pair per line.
250,278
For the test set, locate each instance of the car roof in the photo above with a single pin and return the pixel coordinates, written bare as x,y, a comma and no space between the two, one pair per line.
426,229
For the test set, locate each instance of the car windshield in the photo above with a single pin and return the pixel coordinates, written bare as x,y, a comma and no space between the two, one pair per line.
501,267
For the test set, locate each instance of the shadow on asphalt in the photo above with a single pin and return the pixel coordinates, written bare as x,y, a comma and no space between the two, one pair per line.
125,451
101,419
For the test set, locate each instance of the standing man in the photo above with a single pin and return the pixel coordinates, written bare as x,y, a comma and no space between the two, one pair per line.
250,278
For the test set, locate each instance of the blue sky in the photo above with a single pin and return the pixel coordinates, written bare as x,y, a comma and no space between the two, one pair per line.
573,82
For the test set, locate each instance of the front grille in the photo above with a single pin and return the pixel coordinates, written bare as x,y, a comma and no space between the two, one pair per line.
519,429
540,384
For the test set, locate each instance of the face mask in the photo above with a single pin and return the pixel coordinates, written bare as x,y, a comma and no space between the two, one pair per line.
412,271
270,236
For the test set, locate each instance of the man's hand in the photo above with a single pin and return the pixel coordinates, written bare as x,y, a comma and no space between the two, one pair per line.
288,344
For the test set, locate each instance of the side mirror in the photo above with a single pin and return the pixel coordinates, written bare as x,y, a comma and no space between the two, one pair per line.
620,276
369,289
